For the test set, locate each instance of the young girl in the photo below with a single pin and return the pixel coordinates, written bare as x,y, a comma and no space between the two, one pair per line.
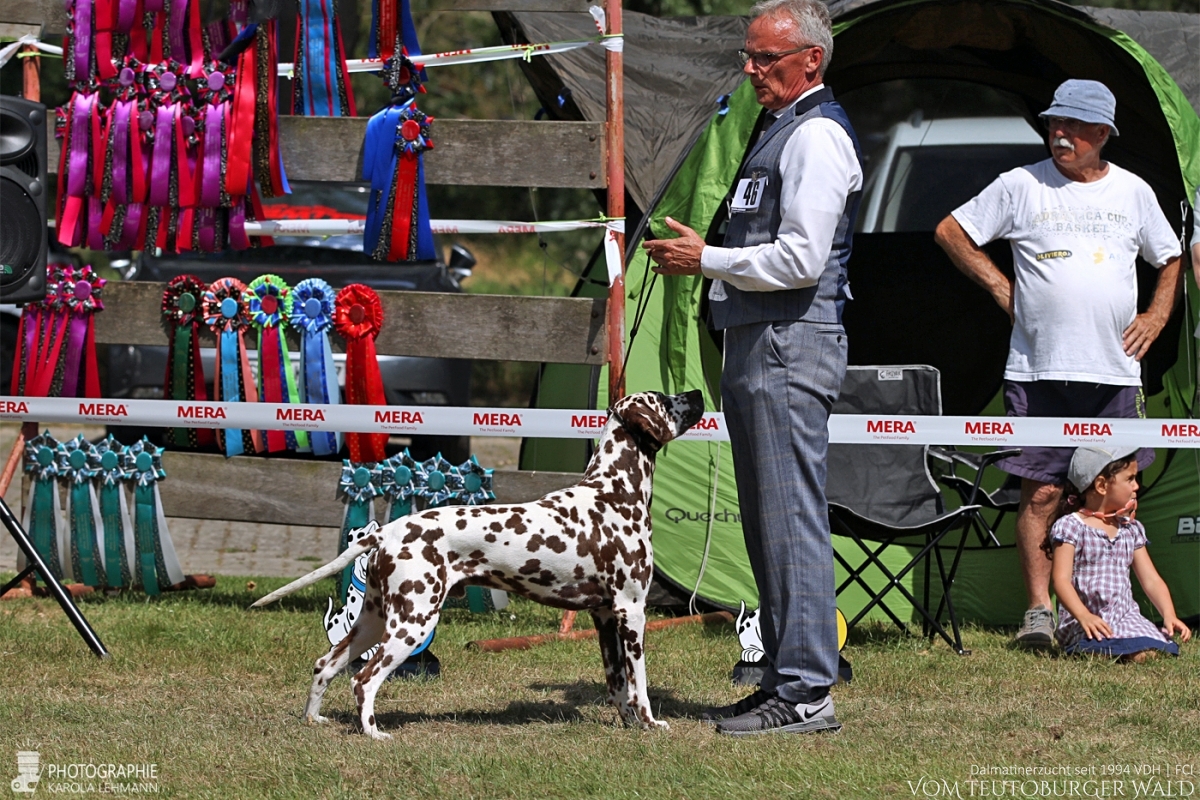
1094,541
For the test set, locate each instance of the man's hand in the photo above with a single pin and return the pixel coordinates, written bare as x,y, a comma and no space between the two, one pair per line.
676,256
1141,333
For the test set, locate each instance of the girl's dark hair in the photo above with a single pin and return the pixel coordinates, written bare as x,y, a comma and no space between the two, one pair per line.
1072,499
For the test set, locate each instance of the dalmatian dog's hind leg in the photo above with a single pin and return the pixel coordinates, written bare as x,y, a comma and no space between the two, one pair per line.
397,645
631,628
363,635
612,653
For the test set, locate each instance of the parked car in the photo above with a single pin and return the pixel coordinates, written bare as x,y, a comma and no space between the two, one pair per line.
139,372
928,168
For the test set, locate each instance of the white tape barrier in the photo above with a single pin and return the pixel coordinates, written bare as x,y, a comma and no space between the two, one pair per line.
341,227
9,50
575,424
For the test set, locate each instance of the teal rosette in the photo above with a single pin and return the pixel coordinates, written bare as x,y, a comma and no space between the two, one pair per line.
42,511
112,469
311,313
476,483
266,300
78,463
157,565
396,481
437,481
358,486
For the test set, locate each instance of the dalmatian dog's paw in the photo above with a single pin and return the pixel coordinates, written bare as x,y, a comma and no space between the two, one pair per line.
655,724
315,719
378,735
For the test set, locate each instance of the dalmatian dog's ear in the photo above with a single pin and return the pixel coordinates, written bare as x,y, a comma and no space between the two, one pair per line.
647,413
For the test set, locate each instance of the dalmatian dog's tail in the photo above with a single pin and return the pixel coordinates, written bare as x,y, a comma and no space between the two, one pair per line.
361,541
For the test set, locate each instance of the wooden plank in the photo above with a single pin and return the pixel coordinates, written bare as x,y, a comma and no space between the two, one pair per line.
578,6
466,152
51,15
559,330
294,492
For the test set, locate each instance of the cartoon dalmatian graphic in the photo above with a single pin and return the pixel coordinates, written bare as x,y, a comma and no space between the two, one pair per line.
749,670
338,623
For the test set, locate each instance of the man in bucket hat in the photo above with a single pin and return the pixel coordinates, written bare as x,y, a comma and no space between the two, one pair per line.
1076,224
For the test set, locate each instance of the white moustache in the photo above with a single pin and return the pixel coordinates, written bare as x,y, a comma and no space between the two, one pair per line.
1063,142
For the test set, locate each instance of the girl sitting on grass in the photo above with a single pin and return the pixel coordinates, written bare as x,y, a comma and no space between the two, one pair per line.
1095,540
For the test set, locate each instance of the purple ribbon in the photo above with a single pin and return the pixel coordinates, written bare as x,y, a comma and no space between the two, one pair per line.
206,224
122,112
160,173
152,6
81,121
237,225
178,22
129,228
95,237
83,39
126,12
211,179
76,339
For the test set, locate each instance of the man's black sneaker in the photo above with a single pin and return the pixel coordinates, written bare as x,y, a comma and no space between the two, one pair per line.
780,716
737,709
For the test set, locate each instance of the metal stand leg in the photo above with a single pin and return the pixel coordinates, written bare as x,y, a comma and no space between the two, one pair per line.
60,594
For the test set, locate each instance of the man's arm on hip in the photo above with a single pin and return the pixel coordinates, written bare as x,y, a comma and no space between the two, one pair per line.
1146,327
974,263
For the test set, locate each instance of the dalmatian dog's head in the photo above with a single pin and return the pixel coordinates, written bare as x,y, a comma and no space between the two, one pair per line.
655,418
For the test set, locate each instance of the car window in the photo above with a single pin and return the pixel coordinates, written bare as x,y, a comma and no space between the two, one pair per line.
927,183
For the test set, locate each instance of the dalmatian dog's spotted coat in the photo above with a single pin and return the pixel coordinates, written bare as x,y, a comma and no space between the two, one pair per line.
584,548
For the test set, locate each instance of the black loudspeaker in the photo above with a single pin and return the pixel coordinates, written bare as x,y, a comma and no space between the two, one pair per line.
23,191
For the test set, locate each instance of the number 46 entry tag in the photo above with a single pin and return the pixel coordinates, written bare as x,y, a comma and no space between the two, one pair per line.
748,194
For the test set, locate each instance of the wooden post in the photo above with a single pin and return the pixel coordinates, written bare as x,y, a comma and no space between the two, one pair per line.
615,139
32,89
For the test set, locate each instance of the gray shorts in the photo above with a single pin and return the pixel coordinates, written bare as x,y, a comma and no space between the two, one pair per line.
1067,399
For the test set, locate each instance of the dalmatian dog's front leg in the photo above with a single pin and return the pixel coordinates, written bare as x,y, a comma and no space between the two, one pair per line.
612,653
631,628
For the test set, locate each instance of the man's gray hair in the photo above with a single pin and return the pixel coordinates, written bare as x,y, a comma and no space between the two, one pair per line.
812,22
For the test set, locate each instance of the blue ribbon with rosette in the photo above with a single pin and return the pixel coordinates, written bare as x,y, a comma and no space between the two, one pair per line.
311,313
77,463
157,565
43,513
358,486
396,482
437,481
111,469
476,483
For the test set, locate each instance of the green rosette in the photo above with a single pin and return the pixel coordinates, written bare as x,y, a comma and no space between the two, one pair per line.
42,512
77,462
112,469
267,304
359,486
157,565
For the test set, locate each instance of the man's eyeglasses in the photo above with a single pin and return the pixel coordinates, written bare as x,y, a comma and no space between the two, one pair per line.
764,60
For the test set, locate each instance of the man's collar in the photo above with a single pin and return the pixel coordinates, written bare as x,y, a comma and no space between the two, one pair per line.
778,114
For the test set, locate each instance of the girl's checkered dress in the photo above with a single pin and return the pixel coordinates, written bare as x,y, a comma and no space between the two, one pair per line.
1101,577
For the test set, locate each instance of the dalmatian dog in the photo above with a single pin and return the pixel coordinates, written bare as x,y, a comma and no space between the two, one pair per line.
584,548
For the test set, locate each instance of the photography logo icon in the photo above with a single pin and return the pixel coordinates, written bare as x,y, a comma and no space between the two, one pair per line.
29,771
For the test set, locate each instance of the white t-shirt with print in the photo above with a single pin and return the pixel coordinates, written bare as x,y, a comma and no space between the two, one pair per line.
1074,245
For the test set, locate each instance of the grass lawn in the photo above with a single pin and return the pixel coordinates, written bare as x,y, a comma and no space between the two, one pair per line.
212,695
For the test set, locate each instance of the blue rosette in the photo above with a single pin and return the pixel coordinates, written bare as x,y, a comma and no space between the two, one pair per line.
476,483
358,486
311,313
78,464
397,482
438,481
42,511
157,565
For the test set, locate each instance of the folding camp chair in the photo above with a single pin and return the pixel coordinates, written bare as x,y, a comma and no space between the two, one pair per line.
884,494
1001,501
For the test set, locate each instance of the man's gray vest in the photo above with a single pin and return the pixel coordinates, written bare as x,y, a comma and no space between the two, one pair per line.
821,303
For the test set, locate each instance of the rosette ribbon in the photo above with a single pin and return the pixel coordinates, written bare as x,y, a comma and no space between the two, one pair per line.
311,313
182,314
82,153
266,300
404,230
320,87
43,513
358,318
157,564
215,93
358,487
120,549
38,340
476,483
124,187
77,463
396,482
81,290
391,25
438,481
225,313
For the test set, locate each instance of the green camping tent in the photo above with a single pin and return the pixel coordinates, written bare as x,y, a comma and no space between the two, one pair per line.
911,306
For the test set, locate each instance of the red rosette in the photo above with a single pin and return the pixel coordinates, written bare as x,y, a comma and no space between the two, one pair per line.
358,318
222,316
181,302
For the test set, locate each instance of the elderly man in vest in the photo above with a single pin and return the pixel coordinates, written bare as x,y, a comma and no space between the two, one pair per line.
778,287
